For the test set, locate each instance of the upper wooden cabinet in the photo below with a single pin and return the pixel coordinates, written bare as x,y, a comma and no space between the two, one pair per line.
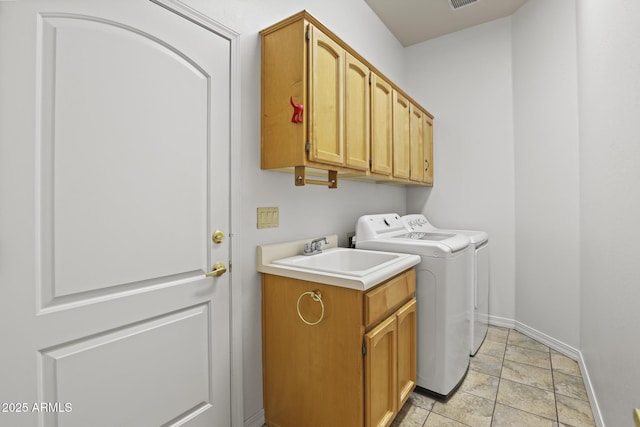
325,108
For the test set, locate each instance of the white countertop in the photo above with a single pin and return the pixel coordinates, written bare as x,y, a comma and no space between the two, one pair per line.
266,254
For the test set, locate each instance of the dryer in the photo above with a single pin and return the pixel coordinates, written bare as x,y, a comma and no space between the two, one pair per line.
441,293
479,281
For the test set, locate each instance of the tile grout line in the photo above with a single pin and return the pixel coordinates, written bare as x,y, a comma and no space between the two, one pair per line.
553,383
504,353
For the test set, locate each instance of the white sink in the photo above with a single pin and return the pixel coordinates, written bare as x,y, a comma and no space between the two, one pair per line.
349,268
351,262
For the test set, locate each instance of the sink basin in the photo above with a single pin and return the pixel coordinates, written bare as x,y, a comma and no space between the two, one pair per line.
350,262
358,269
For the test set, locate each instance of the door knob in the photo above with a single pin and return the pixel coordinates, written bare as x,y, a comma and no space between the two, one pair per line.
217,236
218,269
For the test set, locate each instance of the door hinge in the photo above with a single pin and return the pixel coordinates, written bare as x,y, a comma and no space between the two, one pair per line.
370,163
230,266
307,35
307,147
364,349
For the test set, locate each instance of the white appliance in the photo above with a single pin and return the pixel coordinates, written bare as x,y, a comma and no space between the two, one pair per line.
479,302
441,293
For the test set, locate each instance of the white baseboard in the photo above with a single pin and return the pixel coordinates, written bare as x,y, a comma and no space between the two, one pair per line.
256,420
560,347
550,342
502,322
597,415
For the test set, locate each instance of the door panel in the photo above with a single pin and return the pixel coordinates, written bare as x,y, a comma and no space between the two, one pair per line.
357,114
131,125
179,342
381,125
428,150
381,371
400,136
326,93
116,118
416,149
406,351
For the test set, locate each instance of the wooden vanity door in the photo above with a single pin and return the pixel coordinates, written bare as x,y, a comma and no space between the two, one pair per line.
406,351
381,403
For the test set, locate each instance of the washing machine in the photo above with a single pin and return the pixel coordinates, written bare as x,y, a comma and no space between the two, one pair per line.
479,282
441,294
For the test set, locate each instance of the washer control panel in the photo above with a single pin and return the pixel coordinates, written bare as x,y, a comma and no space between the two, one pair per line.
379,226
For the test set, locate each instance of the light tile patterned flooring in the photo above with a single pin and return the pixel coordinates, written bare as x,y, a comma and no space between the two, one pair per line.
513,380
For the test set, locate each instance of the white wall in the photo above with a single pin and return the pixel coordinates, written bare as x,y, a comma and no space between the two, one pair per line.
464,80
609,84
304,211
547,189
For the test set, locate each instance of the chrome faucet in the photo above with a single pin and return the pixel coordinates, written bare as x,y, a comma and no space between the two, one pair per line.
314,247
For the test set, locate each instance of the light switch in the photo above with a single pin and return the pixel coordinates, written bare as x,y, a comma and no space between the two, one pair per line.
268,218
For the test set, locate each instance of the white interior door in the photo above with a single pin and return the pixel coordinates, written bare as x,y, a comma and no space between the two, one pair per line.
114,166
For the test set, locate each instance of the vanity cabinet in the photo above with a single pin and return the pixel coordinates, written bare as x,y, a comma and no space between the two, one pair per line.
326,109
344,358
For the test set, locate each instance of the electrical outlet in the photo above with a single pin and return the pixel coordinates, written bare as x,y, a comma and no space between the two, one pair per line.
268,217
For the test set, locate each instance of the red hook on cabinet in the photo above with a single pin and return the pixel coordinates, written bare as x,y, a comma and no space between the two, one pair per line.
297,112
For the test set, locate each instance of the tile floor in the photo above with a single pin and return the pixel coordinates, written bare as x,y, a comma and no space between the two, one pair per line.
512,381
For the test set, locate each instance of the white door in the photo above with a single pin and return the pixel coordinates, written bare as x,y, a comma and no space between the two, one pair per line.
114,165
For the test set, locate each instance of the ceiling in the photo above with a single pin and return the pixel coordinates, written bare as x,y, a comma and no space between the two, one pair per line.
414,21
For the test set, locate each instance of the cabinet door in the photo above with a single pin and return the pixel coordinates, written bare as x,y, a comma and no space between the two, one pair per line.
381,374
406,351
428,150
326,88
357,110
381,125
400,136
416,148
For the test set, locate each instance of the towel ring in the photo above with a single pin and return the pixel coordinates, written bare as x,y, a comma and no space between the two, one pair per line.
316,296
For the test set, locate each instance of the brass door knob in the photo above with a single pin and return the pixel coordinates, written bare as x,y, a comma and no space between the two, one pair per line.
217,236
218,269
